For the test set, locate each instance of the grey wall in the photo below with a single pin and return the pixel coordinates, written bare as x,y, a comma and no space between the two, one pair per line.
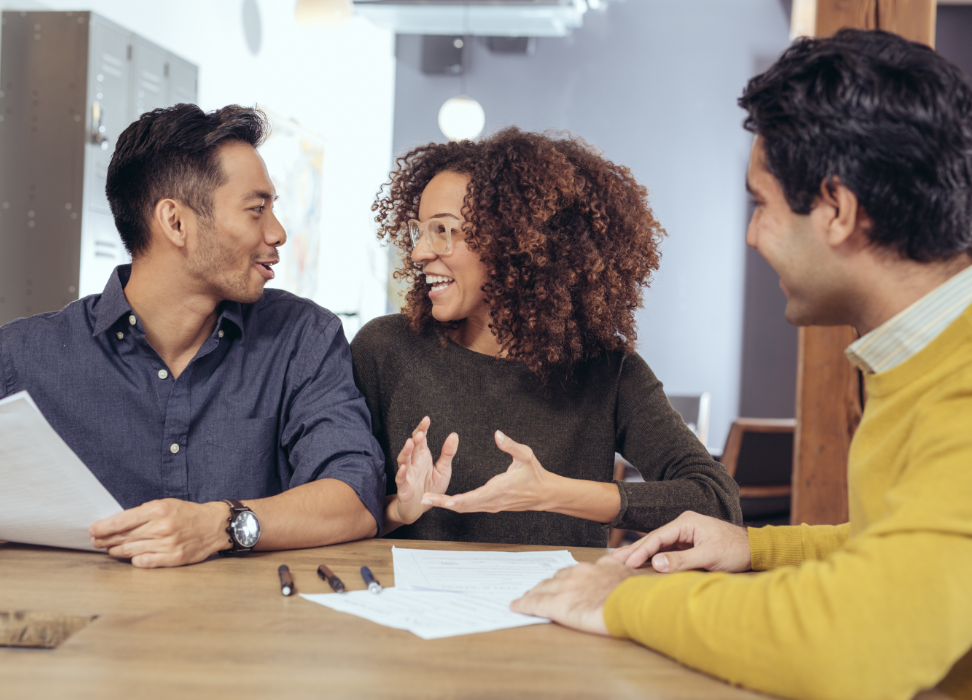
953,35
654,83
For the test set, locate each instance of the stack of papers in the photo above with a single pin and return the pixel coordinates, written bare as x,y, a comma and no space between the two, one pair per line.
47,495
445,594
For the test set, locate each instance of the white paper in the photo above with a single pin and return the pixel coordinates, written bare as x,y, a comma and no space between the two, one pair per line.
429,614
47,495
508,573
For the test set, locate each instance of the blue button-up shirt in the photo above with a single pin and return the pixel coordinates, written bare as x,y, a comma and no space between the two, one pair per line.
268,402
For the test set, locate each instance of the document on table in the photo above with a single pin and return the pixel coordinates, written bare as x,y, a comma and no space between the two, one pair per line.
445,594
507,573
429,614
48,496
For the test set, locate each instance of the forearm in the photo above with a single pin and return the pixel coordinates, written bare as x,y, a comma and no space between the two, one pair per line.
312,515
591,500
848,627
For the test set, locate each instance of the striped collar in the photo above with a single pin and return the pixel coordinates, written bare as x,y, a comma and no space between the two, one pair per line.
907,333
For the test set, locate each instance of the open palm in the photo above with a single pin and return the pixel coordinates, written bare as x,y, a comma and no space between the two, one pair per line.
418,475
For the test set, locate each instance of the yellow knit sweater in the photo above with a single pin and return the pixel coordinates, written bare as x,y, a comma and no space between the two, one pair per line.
878,608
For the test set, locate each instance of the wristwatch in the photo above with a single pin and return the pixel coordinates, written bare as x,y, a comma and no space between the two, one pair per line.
244,529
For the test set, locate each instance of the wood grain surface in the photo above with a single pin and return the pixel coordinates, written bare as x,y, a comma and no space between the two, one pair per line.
222,629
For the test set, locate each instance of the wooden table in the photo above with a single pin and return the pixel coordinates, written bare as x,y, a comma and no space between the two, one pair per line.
222,629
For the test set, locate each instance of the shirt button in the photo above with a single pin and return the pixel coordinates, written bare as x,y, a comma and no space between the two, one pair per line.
120,335
221,334
162,375
132,319
174,448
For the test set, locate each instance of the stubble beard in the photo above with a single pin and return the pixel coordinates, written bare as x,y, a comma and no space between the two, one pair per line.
213,259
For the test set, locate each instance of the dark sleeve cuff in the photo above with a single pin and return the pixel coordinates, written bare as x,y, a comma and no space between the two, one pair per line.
624,505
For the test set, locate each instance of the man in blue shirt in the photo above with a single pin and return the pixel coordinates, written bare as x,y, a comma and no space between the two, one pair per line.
185,383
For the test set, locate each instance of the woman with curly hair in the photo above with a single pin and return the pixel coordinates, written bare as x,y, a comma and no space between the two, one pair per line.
527,256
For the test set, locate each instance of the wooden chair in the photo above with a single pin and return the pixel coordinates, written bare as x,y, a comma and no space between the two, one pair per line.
759,456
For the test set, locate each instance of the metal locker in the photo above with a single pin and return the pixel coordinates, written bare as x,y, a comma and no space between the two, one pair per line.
70,83
182,81
149,89
109,87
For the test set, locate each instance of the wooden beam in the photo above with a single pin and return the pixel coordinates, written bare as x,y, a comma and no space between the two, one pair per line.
912,19
828,410
828,406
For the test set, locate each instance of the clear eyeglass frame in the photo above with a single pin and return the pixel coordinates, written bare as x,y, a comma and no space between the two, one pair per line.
438,233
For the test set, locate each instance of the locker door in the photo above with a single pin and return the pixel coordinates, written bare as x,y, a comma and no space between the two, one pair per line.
109,113
182,81
149,89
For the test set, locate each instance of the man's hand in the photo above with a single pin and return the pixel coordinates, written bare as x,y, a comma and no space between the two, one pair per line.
168,532
417,475
691,541
525,485
575,597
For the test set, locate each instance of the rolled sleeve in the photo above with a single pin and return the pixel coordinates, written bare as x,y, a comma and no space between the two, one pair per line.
327,425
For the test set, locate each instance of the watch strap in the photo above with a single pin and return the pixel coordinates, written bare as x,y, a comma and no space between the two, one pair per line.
236,507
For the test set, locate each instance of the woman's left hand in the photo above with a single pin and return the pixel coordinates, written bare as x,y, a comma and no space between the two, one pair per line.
526,485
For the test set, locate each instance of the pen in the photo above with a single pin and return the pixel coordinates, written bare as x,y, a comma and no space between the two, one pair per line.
370,579
332,580
286,580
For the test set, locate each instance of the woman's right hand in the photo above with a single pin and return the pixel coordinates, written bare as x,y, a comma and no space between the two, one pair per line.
417,475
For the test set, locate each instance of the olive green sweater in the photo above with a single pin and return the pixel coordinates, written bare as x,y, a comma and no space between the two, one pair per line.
611,404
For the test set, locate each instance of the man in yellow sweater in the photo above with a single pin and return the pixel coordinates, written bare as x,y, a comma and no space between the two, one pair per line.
862,174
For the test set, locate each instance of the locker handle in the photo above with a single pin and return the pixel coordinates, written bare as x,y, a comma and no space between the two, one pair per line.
97,125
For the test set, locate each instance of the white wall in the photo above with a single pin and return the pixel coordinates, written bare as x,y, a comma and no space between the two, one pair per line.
338,83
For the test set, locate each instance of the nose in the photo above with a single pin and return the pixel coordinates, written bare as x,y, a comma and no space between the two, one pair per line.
423,253
274,235
751,231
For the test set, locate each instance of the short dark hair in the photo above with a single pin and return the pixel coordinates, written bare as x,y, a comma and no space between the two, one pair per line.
173,153
890,118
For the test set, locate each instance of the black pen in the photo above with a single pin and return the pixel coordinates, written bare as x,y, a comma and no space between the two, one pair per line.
370,579
286,580
332,580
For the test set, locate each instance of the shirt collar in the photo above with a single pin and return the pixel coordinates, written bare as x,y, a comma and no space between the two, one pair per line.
114,304
910,331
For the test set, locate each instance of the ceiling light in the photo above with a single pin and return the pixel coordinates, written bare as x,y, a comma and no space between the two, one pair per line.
461,118
317,13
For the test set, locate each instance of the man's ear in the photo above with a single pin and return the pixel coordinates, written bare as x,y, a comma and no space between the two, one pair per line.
170,219
843,214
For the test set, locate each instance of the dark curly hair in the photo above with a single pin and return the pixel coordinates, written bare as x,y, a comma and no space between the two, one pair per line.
567,238
891,118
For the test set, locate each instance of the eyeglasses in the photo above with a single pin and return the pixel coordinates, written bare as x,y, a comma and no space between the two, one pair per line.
438,232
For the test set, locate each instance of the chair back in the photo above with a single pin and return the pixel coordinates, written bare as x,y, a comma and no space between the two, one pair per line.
759,451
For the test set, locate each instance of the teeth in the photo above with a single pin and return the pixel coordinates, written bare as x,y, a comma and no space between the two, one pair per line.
436,279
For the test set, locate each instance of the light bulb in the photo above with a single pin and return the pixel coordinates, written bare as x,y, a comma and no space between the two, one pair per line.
461,118
313,13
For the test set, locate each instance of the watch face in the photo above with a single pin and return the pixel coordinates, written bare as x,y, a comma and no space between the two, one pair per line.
246,529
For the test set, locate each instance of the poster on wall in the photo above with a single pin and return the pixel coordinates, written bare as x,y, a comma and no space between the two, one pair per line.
295,160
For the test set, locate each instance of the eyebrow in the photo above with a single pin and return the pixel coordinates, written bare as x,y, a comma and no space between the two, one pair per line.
749,188
439,216
261,194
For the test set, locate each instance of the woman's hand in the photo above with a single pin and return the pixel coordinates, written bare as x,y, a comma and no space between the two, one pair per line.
526,485
417,475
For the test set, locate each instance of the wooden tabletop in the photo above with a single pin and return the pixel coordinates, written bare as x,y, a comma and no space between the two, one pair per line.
222,629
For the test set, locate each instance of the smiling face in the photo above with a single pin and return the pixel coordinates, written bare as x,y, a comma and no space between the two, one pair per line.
457,277
232,254
795,246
